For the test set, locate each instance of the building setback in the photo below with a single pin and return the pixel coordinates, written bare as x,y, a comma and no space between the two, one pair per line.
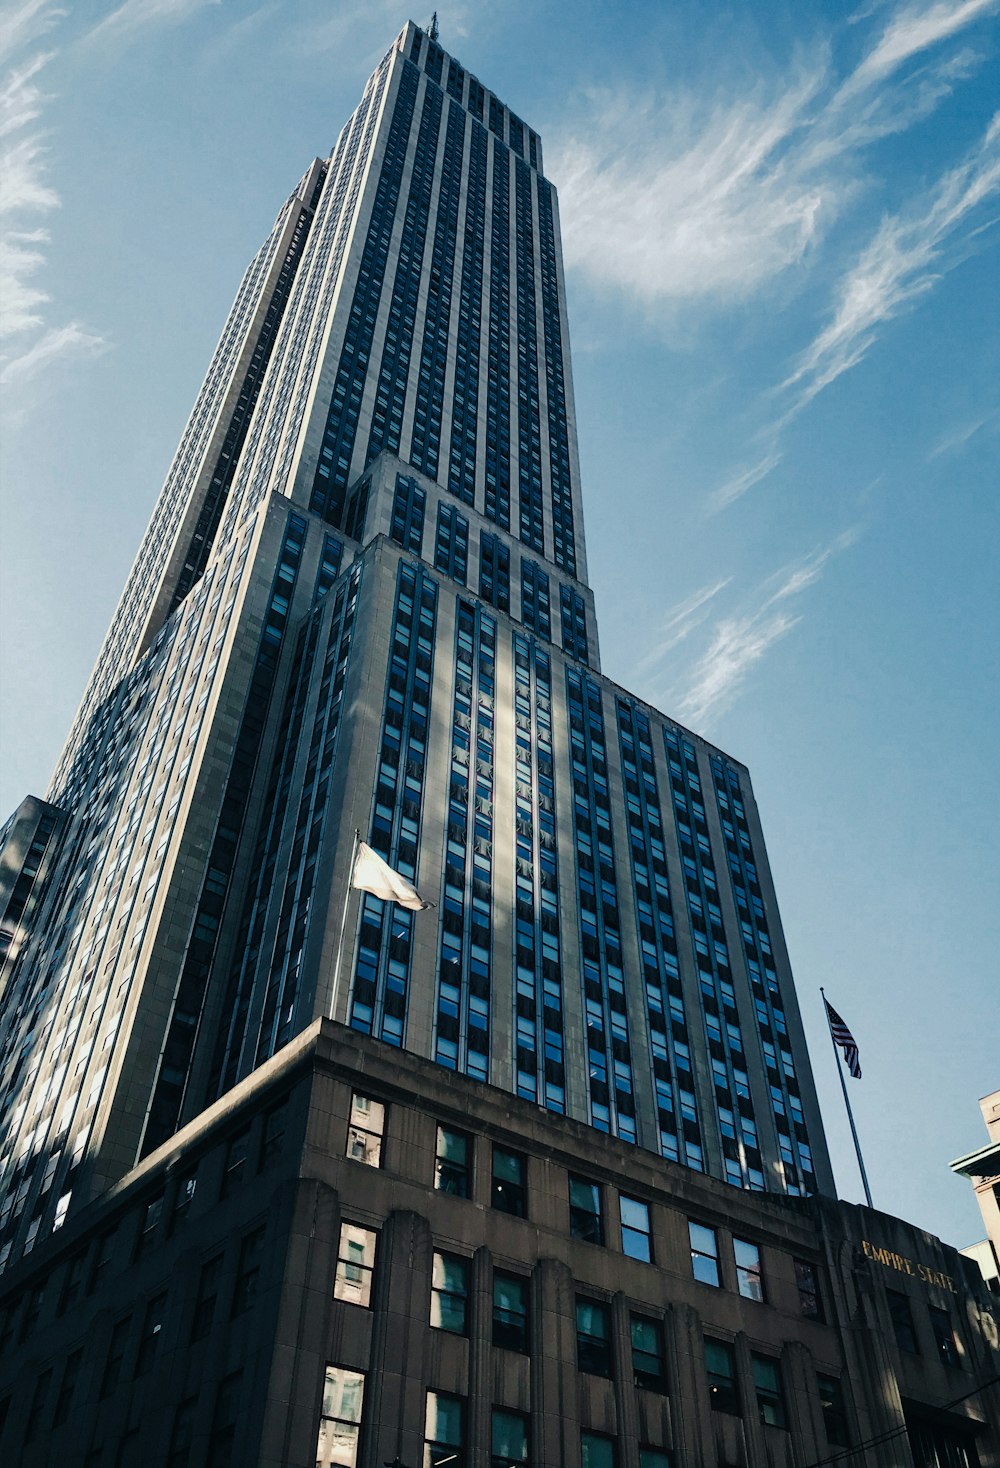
362,608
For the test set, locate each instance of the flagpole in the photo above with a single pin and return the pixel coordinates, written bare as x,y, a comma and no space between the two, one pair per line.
847,1102
343,924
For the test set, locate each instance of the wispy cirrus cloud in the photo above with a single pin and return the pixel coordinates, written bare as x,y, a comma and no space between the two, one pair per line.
902,262
27,197
914,29
678,623
739,639
957,438
737,484
136,15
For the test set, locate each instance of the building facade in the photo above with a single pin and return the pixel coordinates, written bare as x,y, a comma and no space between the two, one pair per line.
362,604
982,1168
349,1259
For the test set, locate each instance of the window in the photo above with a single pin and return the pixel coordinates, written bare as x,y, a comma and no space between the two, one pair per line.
902,1321
444,1436
452,1171
944,1336
225,1415
273,1139
767,1381
340,1418
810,1300
596,1451
653,1458
355,1264
150,1218
720,1366
449,1293
585,1221
508,1193
182,1434
208,1292
704,1254
831,1400
364,1134
636,1234
113,1360
510,1312
183,1198
152,1325
72,1282
66,1388
248,1274
648,1360
510,1440
593,1337
36,1411
236,1161
748,1271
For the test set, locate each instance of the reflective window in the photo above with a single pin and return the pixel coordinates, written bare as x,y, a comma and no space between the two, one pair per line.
444,1432
648,1359
704,1254
636,1234
450,1293
510,1312
355,1264
510,1440
585,1221
364,1134
452,1171
831,1400
340,1420
596,1451
593,1337
748,1271
810,1301
767,1382
509,1193
720,1367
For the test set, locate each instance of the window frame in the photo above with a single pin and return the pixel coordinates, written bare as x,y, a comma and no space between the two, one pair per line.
593,1350
343,1284
748,1274
442,1262
508,1195
630,1231
723,1386
462,1171
578,1228
356,1133
655,1380
698,1253
769,1392
519,1331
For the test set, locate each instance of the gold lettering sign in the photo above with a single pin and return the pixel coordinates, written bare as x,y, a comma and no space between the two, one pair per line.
902,1265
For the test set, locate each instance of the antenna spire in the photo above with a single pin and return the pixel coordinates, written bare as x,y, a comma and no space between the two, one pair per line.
434,32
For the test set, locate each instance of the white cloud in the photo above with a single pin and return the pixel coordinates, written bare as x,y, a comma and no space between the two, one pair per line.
710,196
55,345
900,263
136,15
954,441
913,29
740,640
678,624
738,484
21,25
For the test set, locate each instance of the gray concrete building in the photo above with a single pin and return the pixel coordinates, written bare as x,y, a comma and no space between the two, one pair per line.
289,1173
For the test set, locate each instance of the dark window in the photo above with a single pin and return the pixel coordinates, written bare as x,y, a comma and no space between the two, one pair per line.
767,1382
248,1275
944,1336
585,1221
648,1360
208,1292
810,1300
273,1140
184,1197
444,1432
225,1416
720,1366
450,1293
72,1282
748,1270
150,1218
182,1434
831,1399
704,1254
593,1337
636,1233
902,1321
510,1440
355,1264
236,1162
509,1193
36,1411
654,1458
452,1173
152,1325
510,1312
113,1360
102,1258
66,1388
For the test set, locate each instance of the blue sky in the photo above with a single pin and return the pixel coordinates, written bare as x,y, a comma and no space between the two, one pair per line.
781,228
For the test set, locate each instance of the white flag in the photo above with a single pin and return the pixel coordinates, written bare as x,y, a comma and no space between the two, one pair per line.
372,874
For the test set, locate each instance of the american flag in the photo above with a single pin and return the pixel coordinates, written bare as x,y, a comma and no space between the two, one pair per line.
843,1037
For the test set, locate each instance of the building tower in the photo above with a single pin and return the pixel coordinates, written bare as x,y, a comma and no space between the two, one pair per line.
362,604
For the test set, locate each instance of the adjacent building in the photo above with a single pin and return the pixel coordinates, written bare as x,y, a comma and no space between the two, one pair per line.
982,1168
289,1174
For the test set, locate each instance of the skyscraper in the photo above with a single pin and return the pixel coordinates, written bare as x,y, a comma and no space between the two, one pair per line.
362,604
535,1176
